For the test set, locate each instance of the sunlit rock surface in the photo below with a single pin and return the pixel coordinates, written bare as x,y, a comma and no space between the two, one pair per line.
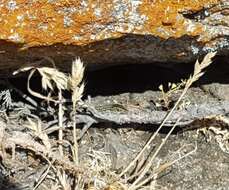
111,31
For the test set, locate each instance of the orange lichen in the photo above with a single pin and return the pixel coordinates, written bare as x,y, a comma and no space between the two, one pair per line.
81,22
165,19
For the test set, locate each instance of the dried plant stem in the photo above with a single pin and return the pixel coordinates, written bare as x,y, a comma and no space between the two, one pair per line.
154,135
196,75
42,177
38,95
75,155
162,168
77,90
149,164
60,122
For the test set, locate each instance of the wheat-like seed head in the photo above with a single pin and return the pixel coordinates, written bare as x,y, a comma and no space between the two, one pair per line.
52,77
199,67
77,95
75,80
77,73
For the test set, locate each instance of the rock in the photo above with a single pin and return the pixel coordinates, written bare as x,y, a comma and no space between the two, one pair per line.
217,90
110,32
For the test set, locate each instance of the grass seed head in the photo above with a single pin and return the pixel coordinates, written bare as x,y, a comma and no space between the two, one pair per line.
77,74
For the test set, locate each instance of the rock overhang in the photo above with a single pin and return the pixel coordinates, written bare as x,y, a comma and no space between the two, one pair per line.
114,30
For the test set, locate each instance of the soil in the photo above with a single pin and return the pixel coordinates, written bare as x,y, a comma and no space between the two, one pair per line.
207,141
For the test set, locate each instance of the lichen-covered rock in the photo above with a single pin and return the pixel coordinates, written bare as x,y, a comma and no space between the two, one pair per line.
111,31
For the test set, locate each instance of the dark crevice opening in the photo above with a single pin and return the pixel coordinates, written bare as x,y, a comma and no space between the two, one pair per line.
139,78
135,78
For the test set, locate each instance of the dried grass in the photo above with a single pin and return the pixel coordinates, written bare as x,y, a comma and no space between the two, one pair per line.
77,87
198,72
52,79
96,171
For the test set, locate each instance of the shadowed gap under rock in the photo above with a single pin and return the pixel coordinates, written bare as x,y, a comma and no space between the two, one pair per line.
138,78
143,77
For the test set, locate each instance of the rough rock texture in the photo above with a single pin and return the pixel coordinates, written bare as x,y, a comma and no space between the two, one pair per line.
111,31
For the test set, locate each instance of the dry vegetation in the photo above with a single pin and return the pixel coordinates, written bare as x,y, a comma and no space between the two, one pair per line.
62,166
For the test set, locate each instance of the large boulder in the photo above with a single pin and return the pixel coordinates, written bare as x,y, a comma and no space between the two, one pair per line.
110,32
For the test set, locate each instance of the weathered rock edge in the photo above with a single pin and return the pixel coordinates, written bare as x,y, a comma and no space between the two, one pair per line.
109,33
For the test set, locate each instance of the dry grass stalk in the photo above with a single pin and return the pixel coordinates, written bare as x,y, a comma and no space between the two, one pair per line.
42,178
163,167
198,72
52,79
75,81
60,123
77,88
149,164
99,173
